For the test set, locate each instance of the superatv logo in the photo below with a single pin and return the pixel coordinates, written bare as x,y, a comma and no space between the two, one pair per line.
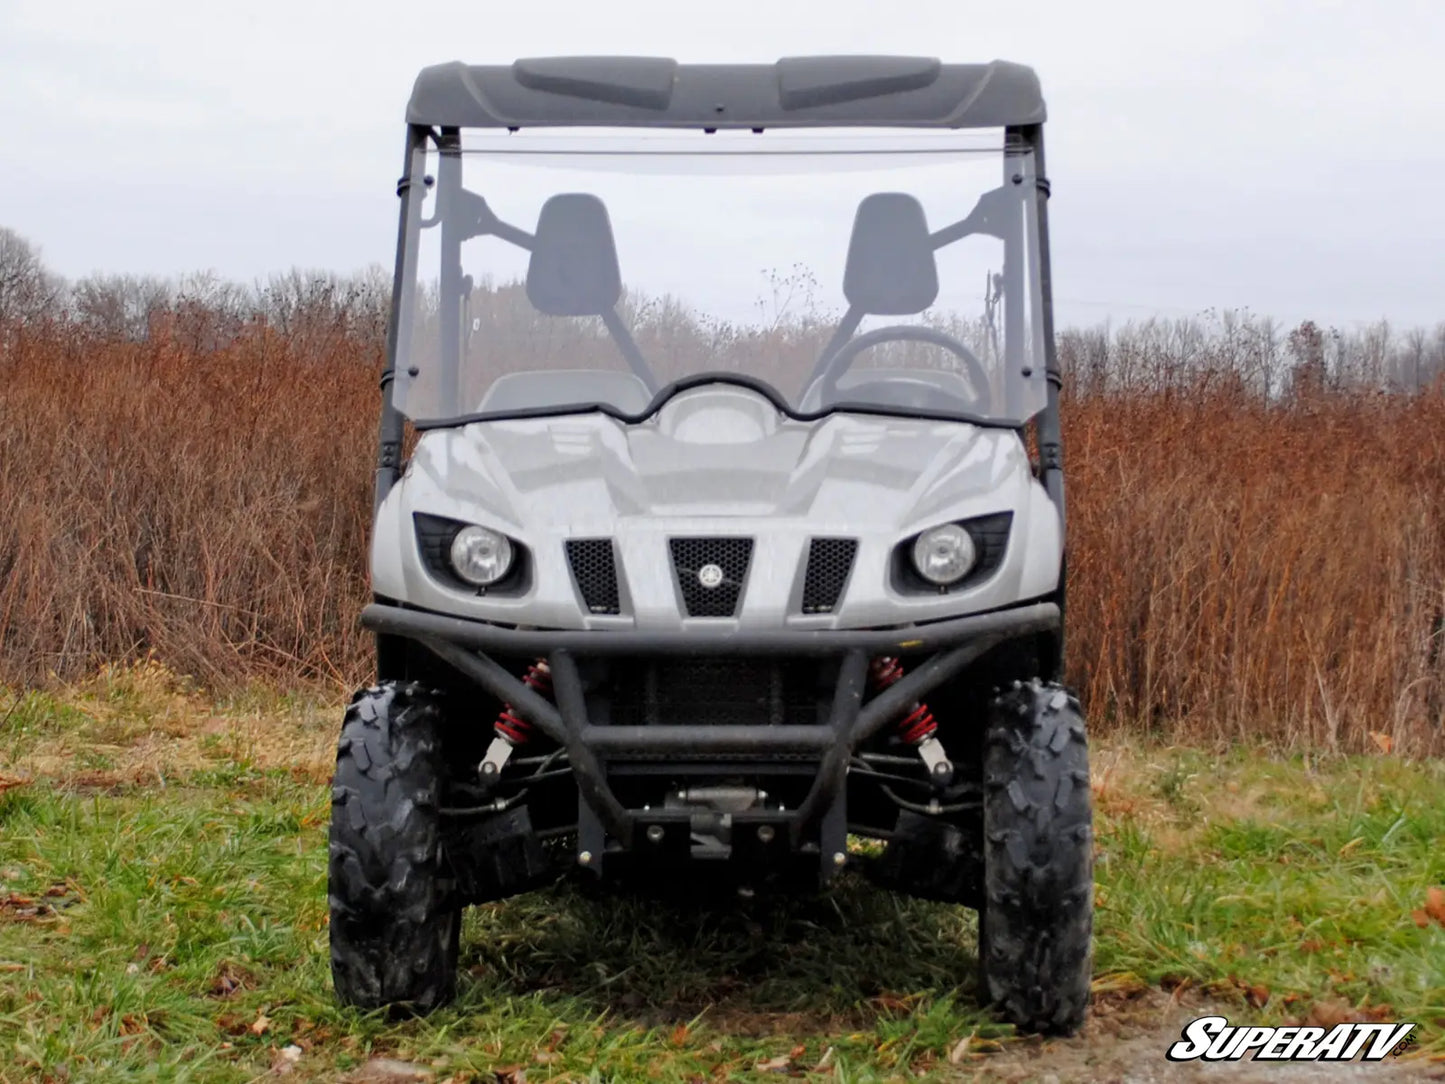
1213,1038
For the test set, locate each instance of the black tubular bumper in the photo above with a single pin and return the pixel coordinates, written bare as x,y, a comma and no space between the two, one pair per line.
951,644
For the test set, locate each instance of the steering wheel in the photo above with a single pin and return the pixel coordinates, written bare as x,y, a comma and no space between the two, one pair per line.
845,355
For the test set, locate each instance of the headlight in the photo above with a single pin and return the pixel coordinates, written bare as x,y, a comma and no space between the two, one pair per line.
943,555
480,556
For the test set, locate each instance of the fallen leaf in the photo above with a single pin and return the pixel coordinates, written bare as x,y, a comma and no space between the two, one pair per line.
960,1049
1421,918
261,1024
546,1057
24,908
1312,945
1123,983
230,979
285,1060
1327,1014
679,1035
232,1024
894,1003
781,1064
1384,742
1435,904
512,1074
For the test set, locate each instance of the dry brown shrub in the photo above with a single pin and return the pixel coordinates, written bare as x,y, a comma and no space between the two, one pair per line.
1241,567
209,504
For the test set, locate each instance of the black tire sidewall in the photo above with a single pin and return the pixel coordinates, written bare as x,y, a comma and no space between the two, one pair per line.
1036,923
394,925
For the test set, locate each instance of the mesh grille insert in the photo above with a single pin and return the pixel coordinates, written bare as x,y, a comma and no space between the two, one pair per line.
594,568
710,573
829,562
715,691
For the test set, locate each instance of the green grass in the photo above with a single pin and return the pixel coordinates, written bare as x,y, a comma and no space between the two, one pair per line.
179,932
1298,880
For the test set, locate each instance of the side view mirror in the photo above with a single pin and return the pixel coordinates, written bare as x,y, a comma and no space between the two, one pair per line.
573,270
890,269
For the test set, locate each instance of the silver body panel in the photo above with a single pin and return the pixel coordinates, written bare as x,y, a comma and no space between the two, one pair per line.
717,460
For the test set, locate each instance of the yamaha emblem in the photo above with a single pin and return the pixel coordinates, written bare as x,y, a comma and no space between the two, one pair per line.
710,576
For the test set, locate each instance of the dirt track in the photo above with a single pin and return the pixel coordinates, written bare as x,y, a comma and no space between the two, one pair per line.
1124,1043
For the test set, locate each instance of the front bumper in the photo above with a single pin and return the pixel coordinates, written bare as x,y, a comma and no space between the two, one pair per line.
950,645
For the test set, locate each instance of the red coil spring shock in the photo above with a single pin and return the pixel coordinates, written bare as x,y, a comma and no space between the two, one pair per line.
509,724
918,725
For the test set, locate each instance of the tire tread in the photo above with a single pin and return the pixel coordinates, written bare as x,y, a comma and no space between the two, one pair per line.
394,929
1036,925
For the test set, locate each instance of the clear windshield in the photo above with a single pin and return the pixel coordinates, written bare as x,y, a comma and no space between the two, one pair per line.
555,271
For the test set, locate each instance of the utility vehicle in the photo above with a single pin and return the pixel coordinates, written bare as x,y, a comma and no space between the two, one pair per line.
719,511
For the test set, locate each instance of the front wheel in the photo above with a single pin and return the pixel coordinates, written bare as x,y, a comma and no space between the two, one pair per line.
1036,923
394,924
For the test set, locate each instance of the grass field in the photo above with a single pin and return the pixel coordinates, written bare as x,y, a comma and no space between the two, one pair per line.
163,917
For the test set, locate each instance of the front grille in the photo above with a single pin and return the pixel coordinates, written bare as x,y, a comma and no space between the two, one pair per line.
710,692
594,569
729,556
829,562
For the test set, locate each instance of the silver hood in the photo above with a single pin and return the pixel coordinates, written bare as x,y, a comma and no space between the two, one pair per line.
718,459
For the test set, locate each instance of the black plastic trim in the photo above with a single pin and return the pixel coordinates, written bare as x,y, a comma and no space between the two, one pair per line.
990,534
434,536
917,639
827,572
696,380
593,564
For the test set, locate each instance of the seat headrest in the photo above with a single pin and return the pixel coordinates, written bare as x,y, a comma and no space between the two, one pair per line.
890,269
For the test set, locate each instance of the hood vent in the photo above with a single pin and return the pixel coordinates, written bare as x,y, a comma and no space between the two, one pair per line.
594,569
830,560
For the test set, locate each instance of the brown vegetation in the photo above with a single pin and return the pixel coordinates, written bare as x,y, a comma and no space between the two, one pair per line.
1257,530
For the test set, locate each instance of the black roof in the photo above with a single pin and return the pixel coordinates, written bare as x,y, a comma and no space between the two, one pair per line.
823,91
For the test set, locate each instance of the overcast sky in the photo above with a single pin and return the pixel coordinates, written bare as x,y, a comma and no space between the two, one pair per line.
1281,155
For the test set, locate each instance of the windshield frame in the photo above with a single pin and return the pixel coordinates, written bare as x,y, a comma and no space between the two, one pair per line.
1027,258
675,388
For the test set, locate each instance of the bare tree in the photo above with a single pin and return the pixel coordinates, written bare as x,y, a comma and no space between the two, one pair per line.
119,306
27,289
